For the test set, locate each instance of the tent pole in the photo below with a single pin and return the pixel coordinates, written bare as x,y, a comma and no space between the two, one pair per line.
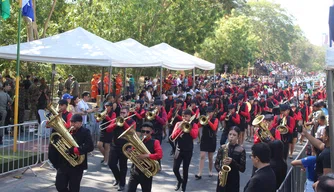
102,86
53,80
329,91
124,82
110,73
161,83
194,79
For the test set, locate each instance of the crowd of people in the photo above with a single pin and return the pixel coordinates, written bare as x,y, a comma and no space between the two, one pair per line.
272,116
275,68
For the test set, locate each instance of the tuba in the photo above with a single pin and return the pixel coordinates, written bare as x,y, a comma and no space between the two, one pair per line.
150,115
282,128
147,166
222,175
62,140
263,132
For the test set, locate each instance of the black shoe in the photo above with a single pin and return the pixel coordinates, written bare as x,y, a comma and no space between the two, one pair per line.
120,188
178,185
172,153
116,183
198,177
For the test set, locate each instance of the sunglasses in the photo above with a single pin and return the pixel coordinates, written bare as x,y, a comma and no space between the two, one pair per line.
146,131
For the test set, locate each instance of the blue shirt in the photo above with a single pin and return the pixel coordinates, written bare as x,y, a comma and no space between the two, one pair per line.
309,163
325,111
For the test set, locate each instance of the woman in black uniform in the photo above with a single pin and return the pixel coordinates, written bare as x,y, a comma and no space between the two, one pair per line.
105,138
208,142
118,105
236,160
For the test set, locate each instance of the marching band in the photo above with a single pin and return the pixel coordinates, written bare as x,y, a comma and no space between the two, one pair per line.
265,114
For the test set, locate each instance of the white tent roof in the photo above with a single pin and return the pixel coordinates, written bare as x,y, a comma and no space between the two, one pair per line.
153,55
75,47
181,57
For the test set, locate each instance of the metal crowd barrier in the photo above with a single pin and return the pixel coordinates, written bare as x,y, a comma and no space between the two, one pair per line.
295,178
27,153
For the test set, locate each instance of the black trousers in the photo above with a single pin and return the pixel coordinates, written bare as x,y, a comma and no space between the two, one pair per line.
185,157
172,144
285,150
139,178
116,156
68,179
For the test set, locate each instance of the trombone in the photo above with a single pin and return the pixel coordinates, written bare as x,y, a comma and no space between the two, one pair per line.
150,115
185,127
101,116
171,122
204,120
119,121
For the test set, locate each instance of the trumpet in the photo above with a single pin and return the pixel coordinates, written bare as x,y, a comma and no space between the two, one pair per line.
119,121
133,109
204,120
185,127
171,122
150,115
101,116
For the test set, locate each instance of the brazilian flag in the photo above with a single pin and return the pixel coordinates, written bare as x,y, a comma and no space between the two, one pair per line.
4,9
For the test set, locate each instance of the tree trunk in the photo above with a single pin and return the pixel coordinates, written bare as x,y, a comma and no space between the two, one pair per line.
49,17
34,24
30,33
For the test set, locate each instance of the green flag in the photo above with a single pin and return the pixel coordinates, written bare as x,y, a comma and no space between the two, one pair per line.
4,9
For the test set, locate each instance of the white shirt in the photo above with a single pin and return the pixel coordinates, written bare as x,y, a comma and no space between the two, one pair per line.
320,131
83,106
149,95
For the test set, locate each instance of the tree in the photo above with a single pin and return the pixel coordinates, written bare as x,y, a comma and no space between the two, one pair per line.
233,43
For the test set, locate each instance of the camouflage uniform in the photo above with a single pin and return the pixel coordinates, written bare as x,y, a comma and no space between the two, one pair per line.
75,88
68,84
34,94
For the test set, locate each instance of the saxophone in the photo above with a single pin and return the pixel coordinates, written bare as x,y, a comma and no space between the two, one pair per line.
225,169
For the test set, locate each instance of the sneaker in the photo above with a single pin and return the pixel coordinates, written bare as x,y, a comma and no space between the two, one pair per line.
105,163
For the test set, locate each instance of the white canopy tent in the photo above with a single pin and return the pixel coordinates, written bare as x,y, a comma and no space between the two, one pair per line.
76,47
153,55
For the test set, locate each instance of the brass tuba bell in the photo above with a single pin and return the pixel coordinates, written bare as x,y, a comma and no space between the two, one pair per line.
62,140
282,128
147,166
263,132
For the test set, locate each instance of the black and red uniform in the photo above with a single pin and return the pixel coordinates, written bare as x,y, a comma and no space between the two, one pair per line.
175,114
234,120
138,177
106,137
209,138
138,118
116,155
244,115
158,124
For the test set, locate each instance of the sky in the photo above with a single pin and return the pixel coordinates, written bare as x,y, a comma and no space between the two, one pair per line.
310,15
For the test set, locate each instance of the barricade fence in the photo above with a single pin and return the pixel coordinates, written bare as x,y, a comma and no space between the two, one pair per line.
295,178
27,153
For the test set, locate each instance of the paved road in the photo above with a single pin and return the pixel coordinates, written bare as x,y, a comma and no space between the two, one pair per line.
99,178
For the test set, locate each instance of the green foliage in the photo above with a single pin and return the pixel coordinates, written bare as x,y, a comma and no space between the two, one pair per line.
234,44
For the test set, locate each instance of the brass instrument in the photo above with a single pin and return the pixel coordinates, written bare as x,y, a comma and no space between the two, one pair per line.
150,115
62,140
133,109
228,116
263,133
100,116
172,120
147,166
238,108
185,127
282,128
204,120
119,121
222,175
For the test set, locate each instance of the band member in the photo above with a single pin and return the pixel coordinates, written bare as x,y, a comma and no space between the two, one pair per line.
169,104
232,119
273,131
242,110
255,110
105,138
53,154
116,155
264,179
263,104
277,163
136,176
140,114
305,111
174,116
296,114
289,123
236,159
208,141
271,102
194,109
68,177
159,121
184,149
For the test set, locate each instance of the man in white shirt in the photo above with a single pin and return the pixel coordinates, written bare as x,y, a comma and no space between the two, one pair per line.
321,128
83,107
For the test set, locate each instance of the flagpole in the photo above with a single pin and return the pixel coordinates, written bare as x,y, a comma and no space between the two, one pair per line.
17,80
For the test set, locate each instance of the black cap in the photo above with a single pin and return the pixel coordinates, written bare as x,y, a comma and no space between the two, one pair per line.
63,102
76,118
169,93
157,102
209,110
203,99
270,94
284,107
186,112
179,101
231,106
147,124
198,92
262,96
212,97
108,104
193,101
240,97
251,98
317,104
